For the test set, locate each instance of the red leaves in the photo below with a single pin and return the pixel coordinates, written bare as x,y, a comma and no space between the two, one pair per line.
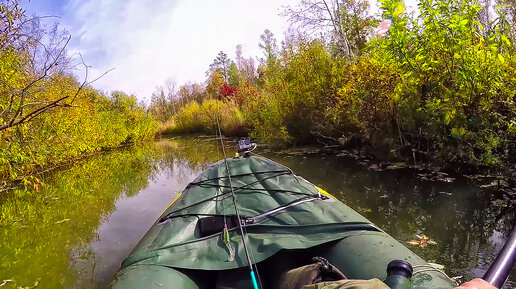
227,91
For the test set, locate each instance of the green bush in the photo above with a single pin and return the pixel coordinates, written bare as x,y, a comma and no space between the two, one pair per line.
202,118
440,86
95,123
455,77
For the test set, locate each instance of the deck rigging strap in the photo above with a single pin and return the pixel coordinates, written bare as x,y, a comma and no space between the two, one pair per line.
240,224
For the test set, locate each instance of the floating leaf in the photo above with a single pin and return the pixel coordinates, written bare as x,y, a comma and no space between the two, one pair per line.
364,210
36,283
500,203
422,241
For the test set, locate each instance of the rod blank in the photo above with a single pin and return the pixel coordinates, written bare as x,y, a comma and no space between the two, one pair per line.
501,268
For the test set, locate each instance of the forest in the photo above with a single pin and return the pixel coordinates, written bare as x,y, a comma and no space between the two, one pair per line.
436,87
431,84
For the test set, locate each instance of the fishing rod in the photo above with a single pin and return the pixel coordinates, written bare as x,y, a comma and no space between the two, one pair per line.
240,224
501,268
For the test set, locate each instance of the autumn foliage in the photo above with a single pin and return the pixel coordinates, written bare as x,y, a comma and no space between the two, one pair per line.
48,117
227,91
436,87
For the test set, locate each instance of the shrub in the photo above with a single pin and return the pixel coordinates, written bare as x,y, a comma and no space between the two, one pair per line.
202,118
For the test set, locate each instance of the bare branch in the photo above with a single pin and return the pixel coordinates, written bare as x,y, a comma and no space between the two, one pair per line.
342,22
26,37
34,113
19,111
102,75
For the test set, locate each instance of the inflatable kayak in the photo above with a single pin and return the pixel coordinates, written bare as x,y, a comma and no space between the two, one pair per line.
286,221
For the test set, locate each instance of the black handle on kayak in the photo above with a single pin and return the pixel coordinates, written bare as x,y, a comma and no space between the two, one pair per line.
499,271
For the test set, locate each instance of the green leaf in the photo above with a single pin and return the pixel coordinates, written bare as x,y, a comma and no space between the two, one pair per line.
457,133
505,39
500,57
447,119
399,9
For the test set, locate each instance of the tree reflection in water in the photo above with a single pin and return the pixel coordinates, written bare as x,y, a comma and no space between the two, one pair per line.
77,229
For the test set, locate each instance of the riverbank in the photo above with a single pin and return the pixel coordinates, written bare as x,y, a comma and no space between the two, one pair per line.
64,136
438,94
495,182
50,117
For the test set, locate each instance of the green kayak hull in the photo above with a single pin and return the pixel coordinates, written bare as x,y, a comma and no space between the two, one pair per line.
288,221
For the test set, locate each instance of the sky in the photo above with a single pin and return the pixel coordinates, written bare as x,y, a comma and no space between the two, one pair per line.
150,42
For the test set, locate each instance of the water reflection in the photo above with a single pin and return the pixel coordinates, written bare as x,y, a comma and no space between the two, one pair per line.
78,228
458,216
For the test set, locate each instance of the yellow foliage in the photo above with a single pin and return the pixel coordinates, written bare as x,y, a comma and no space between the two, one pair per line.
202,118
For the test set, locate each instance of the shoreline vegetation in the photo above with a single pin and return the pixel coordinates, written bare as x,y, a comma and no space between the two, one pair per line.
48,116
435,89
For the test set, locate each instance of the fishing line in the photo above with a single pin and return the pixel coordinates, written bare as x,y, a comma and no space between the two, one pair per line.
226,193
240,225
295,176
255,265
282,172
219,188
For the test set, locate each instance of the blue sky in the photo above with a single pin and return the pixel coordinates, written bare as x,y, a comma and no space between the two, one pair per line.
151,41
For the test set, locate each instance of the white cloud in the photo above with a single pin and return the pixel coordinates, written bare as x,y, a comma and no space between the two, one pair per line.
148,42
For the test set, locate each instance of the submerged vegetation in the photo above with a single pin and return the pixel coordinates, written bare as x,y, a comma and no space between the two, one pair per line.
439,85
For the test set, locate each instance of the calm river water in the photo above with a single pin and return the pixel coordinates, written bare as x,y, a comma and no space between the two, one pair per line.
77,228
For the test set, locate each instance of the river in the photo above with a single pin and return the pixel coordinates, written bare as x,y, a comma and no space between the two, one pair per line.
76,229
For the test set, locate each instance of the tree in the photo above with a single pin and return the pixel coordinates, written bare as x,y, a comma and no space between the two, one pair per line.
214,85
239,56
270,67
32,60
162,105
345,22
233,75
245,66
221,64
227,91
356,23
269,45
191,92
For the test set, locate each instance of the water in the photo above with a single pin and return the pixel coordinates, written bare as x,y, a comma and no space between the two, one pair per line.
76,230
